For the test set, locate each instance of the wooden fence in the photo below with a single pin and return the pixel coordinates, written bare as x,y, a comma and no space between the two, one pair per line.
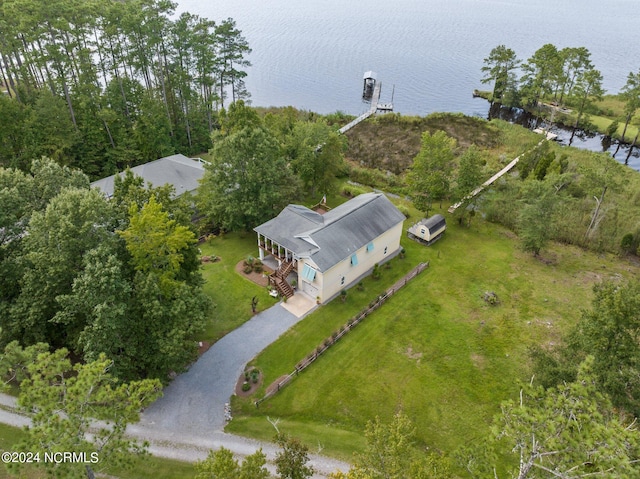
336,336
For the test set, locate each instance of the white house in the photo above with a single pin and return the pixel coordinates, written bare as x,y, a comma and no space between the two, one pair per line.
331,251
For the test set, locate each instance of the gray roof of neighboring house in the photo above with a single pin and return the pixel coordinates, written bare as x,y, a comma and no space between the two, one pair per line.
176,170
330,238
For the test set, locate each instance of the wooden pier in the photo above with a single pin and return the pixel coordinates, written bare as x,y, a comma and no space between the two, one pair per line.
375,106
491,180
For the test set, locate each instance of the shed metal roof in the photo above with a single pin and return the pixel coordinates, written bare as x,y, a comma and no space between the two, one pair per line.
176,170
433,223
330,238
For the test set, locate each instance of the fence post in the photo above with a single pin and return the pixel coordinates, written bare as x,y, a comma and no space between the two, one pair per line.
375,304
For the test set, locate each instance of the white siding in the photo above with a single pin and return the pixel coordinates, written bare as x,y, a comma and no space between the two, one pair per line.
311,288
332,279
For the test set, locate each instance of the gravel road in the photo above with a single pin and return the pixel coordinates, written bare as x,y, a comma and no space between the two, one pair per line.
188,420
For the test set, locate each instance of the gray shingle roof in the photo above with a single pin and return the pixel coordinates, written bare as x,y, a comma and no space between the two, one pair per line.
330,238
176,170
292,221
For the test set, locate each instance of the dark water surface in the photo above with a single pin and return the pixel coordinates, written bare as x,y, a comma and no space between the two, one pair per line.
565,135
312,54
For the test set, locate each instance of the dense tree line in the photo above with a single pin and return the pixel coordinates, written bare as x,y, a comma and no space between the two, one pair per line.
563,77
101,85
117,277
574,197
261,164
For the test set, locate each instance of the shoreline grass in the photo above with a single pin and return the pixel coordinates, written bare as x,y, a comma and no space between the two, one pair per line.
609,109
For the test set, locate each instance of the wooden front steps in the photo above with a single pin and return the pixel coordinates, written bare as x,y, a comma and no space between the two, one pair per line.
284,269
284,288
279,279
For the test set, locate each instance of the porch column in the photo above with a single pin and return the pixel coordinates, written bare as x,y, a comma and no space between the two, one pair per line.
260,252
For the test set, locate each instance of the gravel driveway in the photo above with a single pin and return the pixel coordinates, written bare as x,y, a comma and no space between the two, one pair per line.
194,402
188,420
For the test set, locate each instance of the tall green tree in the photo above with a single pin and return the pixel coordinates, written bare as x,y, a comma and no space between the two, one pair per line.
73,223
630,94
235,118
575,62
157,243
50,131
535,219
317,156
13,132
609,332
248,181
468,179
22,194
541,73
232,51
587,89
429,177
50,178
153,134
99,303
64,400
167,302
499,68
162,335
566,431
291,461
79,72
469,172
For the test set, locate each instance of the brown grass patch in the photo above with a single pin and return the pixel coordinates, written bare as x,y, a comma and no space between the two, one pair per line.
411,354
390,142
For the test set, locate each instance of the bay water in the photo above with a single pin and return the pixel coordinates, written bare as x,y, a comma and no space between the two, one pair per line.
428,54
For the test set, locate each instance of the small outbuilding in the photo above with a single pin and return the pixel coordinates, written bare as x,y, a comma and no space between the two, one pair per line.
428,230
369,85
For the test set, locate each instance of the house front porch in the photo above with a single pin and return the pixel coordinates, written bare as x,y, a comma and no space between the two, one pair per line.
268,247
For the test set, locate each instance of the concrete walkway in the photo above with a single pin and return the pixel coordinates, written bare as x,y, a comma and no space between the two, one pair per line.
299,305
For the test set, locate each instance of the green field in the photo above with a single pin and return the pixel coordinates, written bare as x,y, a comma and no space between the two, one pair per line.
230,292
435,350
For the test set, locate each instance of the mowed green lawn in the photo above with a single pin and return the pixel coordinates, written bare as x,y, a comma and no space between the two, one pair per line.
230,291
435,350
